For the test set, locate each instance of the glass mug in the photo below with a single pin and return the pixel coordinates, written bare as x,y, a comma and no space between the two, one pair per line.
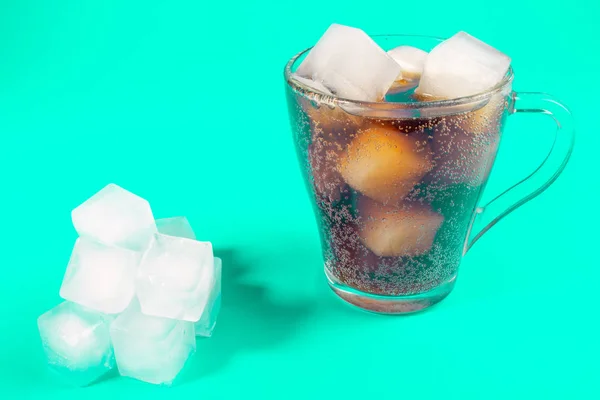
396,187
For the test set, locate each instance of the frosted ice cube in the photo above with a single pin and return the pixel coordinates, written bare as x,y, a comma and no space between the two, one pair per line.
175,277
176,226
100,277
116,217
348,62
462,66
410,59
151,349
77,343
397,231
208,320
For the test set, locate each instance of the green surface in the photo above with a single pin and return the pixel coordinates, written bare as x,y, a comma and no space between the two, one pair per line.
159,97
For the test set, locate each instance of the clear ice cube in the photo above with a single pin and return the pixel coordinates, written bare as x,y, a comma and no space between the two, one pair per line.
208,320
462,66
115,217
176,226
77,343
151,349
175,277
100,277
348,62
410,59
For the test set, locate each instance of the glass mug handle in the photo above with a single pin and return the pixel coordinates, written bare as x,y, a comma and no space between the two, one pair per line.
488,215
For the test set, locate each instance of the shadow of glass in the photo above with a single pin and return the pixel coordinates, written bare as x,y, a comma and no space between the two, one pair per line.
249,320
110,375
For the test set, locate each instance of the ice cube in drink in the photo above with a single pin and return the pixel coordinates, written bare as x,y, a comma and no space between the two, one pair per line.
350,64
384,163
395,231
462,66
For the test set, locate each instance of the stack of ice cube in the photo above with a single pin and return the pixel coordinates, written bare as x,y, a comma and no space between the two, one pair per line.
137,292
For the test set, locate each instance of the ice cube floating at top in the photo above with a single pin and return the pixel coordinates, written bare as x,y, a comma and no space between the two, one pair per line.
410,59
140,274
347,63
462,66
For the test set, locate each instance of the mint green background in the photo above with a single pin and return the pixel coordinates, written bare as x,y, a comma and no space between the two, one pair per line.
182,103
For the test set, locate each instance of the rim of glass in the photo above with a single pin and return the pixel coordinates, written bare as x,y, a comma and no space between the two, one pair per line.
397,105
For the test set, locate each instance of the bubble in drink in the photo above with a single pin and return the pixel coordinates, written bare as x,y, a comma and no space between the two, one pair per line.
100,277
406,230
349,63
323,155
151,349
462,66
384,163
465,145
331,123
176,226
116,217
175,278
77,343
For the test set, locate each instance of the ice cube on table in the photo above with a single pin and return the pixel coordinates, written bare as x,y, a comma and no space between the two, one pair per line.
176,226
384,163
406,230
205,326
115,217
349,63
77,343
100,277
151,349
175,277
410,59
462,66
180,227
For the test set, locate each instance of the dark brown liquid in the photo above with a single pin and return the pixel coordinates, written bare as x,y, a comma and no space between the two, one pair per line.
394,197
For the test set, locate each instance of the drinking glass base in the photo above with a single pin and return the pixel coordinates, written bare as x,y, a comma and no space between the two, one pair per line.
392,305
